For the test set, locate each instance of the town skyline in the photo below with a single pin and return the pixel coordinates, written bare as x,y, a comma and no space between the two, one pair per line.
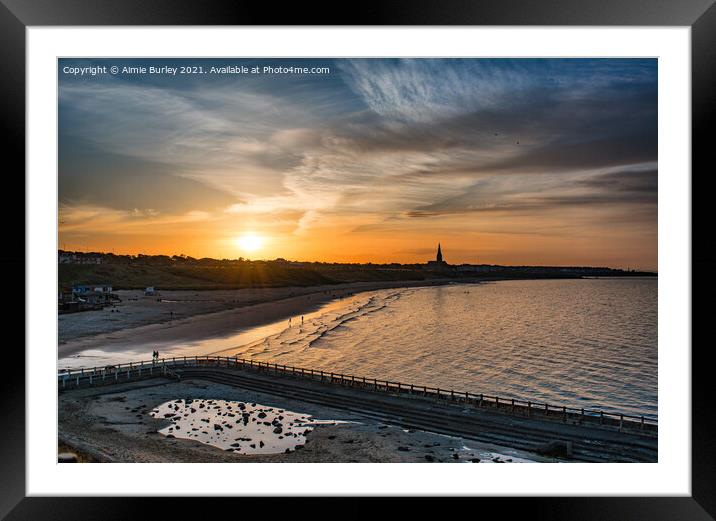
512,162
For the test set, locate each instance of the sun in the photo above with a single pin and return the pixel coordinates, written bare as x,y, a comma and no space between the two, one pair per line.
250,242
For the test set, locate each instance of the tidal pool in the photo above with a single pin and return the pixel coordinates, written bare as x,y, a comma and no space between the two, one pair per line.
240,427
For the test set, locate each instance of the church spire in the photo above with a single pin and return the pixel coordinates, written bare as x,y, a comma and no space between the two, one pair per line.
440,254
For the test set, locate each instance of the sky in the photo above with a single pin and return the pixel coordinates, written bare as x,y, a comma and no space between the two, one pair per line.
502,161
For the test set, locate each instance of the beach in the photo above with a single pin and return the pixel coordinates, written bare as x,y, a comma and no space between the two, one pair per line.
187,316
114,424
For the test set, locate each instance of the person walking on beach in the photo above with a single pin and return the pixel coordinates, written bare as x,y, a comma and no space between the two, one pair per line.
301,319
289,322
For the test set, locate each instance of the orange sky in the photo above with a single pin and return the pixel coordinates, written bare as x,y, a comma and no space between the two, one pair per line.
538,162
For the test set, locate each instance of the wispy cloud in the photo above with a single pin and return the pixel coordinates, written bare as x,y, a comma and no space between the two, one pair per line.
377,143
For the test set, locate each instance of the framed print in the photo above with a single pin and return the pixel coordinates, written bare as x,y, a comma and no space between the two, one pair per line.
372,257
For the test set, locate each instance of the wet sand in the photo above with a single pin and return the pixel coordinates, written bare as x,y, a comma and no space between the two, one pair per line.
115,424
193,315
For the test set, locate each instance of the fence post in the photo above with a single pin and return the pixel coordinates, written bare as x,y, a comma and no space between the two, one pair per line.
582,413
480,402
642,423
601,417
529,409
621,422
564,413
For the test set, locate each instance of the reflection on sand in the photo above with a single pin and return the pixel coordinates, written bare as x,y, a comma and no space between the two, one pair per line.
243,428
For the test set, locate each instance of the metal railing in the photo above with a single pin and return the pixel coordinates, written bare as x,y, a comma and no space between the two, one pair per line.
74,378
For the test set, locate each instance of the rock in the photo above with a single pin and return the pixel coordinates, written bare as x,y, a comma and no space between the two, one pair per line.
235,445
67,457
278,430
497,460
331,437
170,436
556,449
428,457
261,444
403,449
262,414
218,427
253,445
455,456
475,460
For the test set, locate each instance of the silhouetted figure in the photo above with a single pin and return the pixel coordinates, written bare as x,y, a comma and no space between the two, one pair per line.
301,319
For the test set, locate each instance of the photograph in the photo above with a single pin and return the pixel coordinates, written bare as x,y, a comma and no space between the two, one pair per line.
357,260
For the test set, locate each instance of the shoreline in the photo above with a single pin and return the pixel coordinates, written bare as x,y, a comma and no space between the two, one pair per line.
196,325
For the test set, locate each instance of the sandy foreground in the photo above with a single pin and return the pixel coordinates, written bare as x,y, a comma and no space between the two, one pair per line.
193,315
115,425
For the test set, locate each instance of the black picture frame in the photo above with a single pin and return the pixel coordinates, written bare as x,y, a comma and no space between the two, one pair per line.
700,15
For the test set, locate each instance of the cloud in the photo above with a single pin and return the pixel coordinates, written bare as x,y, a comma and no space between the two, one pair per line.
90,176
376,143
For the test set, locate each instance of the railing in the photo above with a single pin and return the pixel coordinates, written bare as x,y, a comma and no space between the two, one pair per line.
68,379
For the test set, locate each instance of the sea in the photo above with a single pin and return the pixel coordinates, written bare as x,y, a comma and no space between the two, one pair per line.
584,343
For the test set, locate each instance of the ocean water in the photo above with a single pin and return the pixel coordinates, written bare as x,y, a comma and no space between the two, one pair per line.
588,343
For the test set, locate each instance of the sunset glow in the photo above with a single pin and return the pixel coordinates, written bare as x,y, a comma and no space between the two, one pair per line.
250,242
502,161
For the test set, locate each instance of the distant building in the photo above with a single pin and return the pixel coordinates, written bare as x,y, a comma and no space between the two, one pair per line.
150,291
438,263
73,258
91,288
